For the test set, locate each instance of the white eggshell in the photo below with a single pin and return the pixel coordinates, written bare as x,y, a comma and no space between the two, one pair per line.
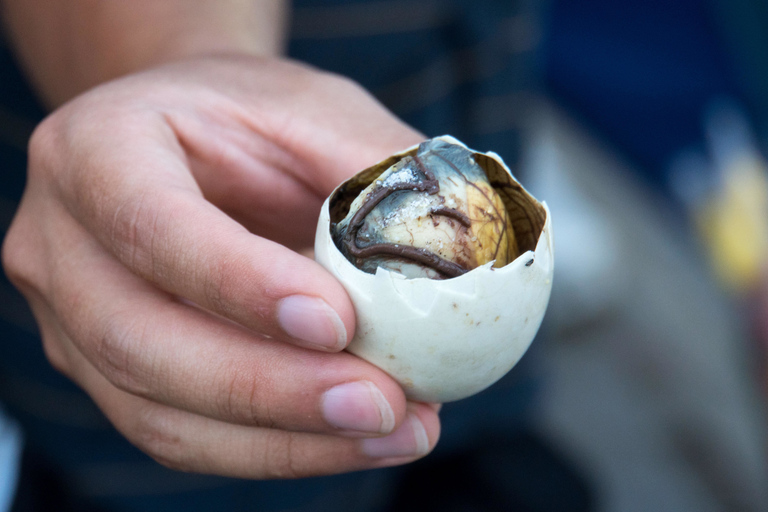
444,340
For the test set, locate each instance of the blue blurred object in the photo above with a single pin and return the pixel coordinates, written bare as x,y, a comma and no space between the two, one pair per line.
11,441
640,72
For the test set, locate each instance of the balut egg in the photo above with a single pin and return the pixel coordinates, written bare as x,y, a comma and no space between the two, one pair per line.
448,261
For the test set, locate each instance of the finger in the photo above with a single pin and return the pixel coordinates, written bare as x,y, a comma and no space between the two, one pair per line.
190,442
139,204
318,127
335,132
149,344
251,179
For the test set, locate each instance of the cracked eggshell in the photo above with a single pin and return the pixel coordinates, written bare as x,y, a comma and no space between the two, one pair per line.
444,340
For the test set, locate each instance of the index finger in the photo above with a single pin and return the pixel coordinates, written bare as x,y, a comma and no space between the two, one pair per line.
136,195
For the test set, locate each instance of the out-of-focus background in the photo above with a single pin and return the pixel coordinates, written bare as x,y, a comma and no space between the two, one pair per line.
644,125
653,381
649,146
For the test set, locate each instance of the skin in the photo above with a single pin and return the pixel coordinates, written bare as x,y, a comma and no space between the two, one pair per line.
170,197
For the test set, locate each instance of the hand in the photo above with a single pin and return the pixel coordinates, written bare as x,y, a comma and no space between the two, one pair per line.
156,243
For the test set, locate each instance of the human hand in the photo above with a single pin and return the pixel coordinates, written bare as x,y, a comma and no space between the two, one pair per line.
156,243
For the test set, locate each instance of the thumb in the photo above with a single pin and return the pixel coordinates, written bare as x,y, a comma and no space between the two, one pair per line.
339,129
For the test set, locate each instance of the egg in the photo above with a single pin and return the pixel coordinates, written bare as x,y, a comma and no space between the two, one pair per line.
443,329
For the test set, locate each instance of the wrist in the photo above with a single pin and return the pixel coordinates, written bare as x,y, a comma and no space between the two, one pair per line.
255,27
69,47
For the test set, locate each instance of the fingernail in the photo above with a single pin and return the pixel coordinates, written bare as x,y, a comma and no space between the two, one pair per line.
410,440
312,320
358,406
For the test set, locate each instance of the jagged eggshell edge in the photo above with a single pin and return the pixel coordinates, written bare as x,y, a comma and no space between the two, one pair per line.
444,340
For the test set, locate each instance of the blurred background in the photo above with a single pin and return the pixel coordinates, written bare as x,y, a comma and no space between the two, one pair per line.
649,148
644,125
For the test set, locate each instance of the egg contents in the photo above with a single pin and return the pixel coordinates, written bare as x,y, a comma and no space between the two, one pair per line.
471,227
432,214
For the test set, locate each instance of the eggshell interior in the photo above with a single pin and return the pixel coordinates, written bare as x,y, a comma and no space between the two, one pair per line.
444,340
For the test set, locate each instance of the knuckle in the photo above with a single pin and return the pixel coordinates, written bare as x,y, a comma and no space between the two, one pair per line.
281,458
141,229
169,452
244,400
153,432
23,253
342,87
43,143
132,233
218,288
15,252
120,353
228,284
53,352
